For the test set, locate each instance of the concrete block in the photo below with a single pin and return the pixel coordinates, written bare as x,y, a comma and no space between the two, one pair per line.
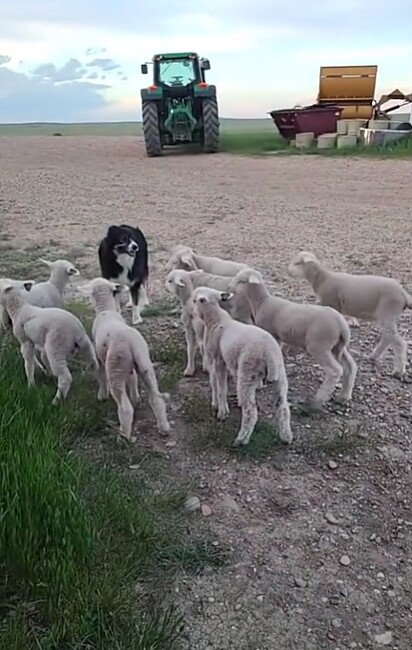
346,141
327,140
342,127
304,140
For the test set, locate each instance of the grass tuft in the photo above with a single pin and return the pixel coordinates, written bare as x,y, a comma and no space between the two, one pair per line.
210,432
252,142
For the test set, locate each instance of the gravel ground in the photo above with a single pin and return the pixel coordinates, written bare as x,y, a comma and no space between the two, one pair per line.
319,534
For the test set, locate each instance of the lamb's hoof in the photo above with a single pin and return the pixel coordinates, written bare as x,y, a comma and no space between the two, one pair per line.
137,320
343,400
223,414
164,431
311,407
239,443
188,372
123,436
398,374
102,396
372,358
286,438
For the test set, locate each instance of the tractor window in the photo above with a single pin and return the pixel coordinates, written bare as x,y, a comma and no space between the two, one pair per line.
177,73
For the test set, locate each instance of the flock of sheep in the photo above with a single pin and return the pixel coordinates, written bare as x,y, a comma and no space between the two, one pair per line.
228,315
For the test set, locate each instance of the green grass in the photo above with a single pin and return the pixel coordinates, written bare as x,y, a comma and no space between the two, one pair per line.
253,142
88,551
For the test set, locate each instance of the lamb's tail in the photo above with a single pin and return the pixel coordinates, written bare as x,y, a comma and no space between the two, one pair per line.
272,367
343,340
86,348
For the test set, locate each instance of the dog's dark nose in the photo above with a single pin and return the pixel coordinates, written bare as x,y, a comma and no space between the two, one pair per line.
134,247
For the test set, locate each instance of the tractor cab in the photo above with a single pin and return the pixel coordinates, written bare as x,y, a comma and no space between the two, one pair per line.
177,69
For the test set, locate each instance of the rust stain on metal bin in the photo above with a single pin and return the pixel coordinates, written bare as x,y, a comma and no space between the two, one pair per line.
316,119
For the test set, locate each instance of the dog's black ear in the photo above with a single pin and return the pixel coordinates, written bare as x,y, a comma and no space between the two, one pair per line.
112,232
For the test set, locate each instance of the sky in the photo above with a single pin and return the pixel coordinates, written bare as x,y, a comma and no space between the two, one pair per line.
79,61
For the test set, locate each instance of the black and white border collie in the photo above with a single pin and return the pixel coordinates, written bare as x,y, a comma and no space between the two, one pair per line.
123,257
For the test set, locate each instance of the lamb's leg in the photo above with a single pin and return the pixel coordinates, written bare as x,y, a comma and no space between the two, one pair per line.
213,385
350,370
205,367
156,401
246,394
27,352
133,389
352,322
191,351
45,362
136,307
64,381
400,350
384,341
124,410
333,372
103,387
282,410
221,379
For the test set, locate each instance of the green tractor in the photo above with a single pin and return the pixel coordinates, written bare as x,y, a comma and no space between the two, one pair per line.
179,107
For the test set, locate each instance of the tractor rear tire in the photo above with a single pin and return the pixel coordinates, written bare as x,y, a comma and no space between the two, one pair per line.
210,126
151,129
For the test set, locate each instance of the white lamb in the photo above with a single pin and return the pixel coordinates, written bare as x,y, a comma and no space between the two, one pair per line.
123,355
50,293
181,284
368,297
250,355
321,331
54,332
186,259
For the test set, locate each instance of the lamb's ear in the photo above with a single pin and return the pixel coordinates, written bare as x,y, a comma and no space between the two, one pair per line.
187,260
28,284
306,257
117,288
7,288
226,295
254,278
50,264
73,271
180,282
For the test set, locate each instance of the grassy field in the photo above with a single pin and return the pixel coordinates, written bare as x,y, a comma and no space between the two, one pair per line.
119,129
90,544
242,136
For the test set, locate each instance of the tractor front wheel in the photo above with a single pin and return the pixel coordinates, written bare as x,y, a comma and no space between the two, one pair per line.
151,129
210,125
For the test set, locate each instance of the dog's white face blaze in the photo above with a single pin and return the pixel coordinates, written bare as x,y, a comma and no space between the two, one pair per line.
132,248
126,262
